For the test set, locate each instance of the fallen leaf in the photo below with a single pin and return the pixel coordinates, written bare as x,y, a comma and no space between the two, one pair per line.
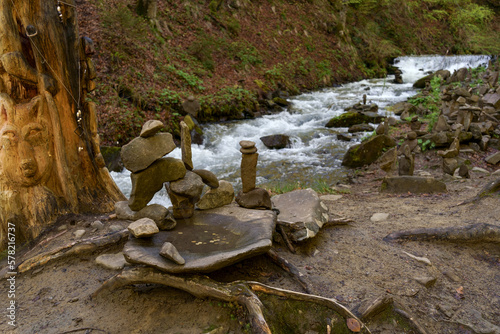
353,325
460,290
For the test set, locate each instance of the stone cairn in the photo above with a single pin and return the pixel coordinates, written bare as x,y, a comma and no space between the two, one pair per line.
251,197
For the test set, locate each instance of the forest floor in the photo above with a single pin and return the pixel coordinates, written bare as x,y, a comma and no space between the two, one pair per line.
350,263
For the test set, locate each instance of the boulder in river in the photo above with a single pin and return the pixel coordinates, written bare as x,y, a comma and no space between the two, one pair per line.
368,151
276,141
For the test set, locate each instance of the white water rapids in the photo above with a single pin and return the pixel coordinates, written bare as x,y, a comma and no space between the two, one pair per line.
315,154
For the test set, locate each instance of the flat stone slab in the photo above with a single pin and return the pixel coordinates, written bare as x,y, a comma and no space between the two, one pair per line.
141,152
412,184
208,241
302,214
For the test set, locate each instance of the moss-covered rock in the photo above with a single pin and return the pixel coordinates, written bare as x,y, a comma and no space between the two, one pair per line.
351,118
111,155
368,151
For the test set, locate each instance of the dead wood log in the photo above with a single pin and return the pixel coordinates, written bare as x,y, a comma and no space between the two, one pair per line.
472,233
489,189
74,248
243,292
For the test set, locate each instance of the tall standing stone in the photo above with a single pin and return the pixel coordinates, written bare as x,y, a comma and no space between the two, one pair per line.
186,146
248,165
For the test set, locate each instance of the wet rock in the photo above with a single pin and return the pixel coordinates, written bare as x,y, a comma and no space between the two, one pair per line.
349,118
302,214
256,198
140,152
276,141
217,197
492,99
150,128
343,137
147,182
412,184
209,178
169,251
360,128
208,241
191,185
401,107
111,261
441,124
368,151
143,228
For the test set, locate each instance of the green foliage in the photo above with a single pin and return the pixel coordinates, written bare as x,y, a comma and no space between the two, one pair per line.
426,145
191,80
431,102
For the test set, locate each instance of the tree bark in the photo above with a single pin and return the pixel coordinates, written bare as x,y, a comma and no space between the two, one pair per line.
50,162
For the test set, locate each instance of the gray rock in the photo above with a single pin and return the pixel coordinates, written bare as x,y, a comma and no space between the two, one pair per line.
79,233
97,225
191,106
330,198
479,170
190,186
111,261
302,214
141,152
209,178
412,184
401,107
160,214
208,241
492,99
379,217
169,251
115,228
123,211
360,128
441,124
426,281
256,198
217,197
143,228
150,128
146,183
276,141
493,159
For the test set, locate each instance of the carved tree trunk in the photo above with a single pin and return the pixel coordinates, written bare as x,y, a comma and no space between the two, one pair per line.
147,8
50,162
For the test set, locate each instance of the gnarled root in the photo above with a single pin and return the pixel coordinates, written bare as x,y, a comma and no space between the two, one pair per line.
243,292
76,247
472,233
489,189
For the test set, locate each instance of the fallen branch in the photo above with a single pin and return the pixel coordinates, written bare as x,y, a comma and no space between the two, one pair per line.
472,233
74,248
489,189
242,292
288,243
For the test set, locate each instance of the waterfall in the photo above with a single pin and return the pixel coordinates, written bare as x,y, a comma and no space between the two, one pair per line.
315,153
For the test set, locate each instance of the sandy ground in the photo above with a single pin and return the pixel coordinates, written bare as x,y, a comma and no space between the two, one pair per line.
350,263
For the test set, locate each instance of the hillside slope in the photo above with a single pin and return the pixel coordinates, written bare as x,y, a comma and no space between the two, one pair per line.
232,54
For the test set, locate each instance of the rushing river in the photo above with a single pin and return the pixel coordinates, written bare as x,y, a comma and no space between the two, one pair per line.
315,153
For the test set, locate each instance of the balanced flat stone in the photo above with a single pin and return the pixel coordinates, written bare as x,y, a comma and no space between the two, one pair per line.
141,152
209,178
186,146
208,241
143,228
146,183
217,197
151,127
302,214
412,184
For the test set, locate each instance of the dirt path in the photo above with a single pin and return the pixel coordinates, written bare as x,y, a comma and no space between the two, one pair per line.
350,263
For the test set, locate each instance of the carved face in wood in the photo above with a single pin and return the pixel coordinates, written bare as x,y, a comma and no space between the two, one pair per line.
25,150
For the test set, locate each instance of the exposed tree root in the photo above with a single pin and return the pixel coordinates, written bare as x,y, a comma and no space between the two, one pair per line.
243,292
472,233
489,189
289,268
76,247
